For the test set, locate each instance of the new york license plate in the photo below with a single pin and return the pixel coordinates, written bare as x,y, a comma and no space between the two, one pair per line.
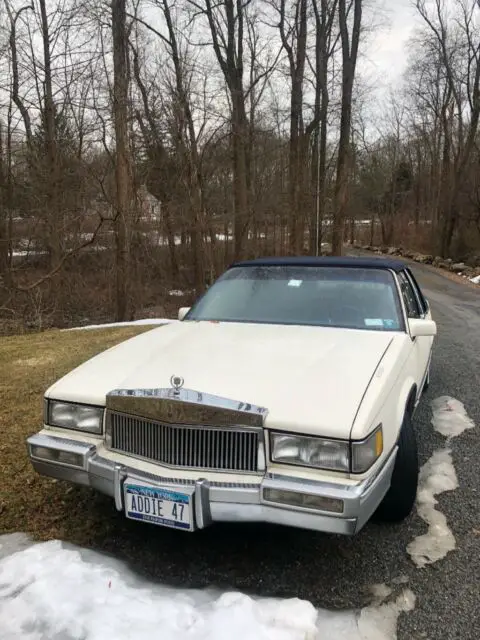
159,506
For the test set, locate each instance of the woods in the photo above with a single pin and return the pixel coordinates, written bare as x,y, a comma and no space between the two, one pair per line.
146,145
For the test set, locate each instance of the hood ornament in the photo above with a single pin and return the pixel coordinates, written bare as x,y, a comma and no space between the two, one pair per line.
177,383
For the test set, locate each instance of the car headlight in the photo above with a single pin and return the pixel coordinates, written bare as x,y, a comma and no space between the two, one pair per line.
310,452
321,453
366,452
69,415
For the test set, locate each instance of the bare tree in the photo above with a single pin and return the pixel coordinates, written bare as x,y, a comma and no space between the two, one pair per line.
226,21
294,42
459,55
325,44
123,176
350,42
186,136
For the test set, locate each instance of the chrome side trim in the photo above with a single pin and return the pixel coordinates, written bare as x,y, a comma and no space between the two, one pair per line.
403,308
186,407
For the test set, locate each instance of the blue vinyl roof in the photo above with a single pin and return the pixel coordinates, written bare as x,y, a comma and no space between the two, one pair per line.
324,261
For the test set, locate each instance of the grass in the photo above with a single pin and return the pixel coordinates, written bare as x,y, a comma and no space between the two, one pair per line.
226,556
40,506
250,557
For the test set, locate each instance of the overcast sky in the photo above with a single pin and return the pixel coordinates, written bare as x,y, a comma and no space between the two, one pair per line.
386,56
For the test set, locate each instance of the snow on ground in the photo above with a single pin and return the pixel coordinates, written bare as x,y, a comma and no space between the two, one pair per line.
55,590
449,417
23,253
436,476
128,323
475,280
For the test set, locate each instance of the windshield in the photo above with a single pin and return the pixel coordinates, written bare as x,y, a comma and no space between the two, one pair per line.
354,298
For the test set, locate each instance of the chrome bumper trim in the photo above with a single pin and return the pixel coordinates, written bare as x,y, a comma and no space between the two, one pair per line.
228,502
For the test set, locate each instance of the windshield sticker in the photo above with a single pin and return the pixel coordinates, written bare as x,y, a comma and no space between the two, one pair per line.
294,283
390,324
373,322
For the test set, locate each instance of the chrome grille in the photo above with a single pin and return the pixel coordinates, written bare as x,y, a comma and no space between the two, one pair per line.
232,449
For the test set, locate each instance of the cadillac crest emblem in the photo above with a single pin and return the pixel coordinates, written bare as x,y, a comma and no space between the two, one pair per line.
177,383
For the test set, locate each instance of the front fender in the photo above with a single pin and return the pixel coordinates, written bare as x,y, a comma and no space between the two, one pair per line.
406,390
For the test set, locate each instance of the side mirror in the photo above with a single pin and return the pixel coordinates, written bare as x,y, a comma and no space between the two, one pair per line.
421,327
182,312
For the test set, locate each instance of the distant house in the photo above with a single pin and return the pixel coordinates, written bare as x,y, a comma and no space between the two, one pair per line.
150,207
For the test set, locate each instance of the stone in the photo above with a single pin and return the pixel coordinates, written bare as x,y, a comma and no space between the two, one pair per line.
423,259
459,266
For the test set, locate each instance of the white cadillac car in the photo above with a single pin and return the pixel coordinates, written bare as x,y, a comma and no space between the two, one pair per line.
284,395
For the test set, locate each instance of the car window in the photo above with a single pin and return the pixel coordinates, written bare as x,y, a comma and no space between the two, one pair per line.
409,297
418,291
359,298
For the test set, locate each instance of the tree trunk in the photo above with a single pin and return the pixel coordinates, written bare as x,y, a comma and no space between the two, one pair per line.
171,241
3,210
349,61
228,49
52,213
240,182
296,144
191,156
323,21
122,158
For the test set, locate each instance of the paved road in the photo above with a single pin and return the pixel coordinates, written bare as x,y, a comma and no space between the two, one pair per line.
336,572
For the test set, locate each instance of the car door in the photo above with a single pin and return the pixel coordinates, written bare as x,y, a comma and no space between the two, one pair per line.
416,307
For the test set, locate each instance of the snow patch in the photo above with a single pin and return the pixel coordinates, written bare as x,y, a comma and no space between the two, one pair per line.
130,323
26,253
380,622
449,417
54,590
436,476
475,280
12,543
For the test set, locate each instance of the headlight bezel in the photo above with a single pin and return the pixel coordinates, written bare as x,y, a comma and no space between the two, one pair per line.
50,421
352,447
328,442
375,437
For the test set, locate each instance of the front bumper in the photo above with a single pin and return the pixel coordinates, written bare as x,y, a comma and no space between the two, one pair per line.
220,501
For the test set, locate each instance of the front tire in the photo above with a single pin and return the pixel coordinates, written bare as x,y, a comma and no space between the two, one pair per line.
400,498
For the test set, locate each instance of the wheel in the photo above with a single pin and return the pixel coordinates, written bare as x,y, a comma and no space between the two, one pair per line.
400,498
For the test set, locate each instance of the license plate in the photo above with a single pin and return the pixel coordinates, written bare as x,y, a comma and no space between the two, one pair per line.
159,506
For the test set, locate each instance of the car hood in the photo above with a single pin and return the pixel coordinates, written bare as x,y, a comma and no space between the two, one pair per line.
310,379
